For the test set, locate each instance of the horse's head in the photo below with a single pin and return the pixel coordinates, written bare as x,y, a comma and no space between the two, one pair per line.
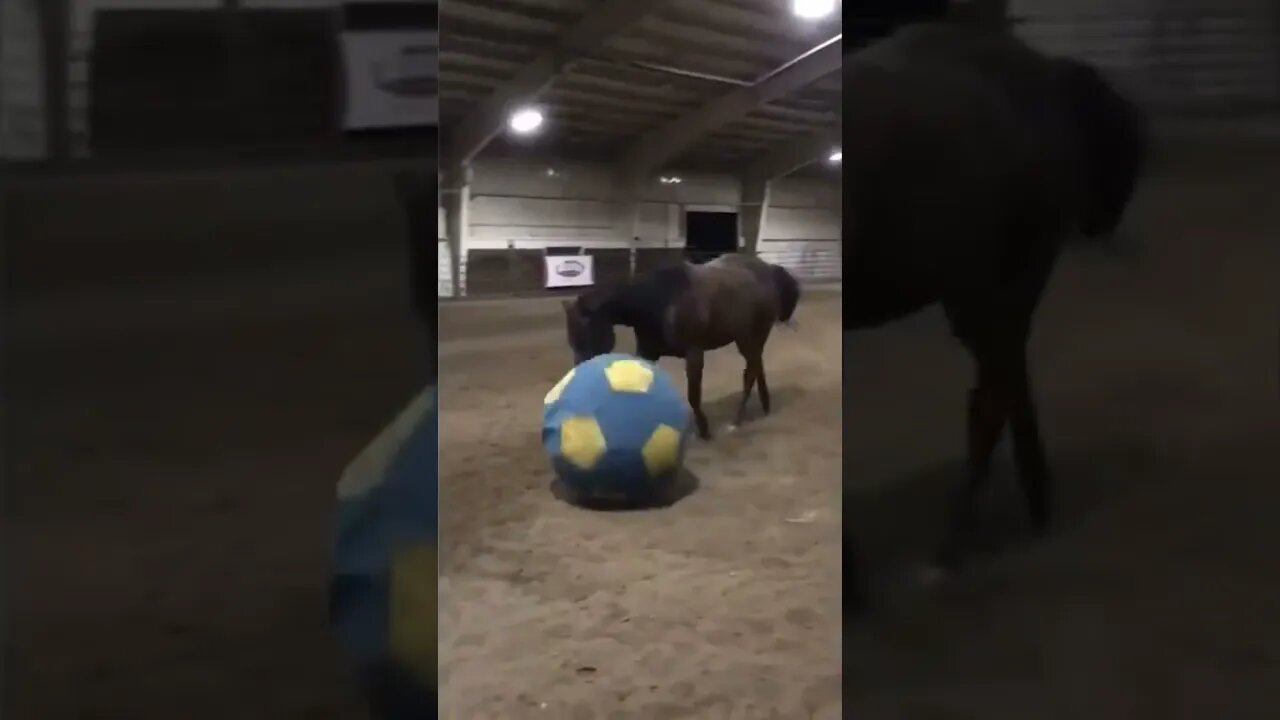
590,332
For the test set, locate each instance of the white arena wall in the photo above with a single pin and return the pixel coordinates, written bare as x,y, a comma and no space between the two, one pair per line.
1173,55
529,206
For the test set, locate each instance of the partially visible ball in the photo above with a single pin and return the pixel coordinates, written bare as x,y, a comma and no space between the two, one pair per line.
615,428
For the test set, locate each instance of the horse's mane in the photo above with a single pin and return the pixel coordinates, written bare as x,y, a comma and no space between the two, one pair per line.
640,299
590,301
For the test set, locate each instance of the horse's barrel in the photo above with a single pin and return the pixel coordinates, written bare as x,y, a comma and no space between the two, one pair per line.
615,428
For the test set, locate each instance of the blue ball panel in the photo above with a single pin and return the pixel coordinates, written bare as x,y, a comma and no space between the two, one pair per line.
627,421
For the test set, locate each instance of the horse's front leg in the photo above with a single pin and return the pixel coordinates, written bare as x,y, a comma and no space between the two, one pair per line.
693,371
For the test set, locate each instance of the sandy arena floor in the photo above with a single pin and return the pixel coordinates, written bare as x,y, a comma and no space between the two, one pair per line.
171,456
725,605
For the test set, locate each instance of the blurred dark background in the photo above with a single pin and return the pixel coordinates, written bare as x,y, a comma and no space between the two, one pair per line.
207,314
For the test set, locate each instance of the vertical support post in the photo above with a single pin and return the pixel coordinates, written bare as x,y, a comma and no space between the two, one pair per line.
626,216
627,230
456,192
754,208
512,276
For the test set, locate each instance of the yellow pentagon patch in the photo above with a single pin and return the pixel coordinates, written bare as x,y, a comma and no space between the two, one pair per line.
554,393
630,376
412,611
581,441
662,450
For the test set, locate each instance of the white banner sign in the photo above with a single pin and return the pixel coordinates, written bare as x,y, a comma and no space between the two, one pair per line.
391,78
569,271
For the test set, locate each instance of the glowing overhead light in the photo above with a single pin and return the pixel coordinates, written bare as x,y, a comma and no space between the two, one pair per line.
835,157
812,9
525,121
669,180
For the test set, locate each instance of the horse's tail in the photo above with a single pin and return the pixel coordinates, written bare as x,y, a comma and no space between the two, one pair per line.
1113,146
788,292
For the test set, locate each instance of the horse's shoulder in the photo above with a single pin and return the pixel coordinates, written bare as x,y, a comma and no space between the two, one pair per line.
649,295
669,283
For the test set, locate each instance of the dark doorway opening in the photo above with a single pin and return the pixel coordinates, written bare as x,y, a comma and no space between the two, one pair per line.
708,235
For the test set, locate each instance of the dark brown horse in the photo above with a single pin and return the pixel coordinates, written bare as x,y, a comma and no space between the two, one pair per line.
686,310
969,161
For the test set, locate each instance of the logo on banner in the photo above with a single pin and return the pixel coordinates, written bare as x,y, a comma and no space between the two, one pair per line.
562,271
390,79
570,268
408,74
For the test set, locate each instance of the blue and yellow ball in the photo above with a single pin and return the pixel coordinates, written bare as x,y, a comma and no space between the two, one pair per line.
615,428
382,596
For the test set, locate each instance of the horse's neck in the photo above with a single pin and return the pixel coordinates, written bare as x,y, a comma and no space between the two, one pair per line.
615,310
642,307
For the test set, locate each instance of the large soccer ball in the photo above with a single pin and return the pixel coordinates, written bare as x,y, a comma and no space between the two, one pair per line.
383,594
615,428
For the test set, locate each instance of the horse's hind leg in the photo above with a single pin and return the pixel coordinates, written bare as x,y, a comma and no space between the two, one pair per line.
988,410
753,354
995,330
752,375
1028,448
749,375
693,374
762,385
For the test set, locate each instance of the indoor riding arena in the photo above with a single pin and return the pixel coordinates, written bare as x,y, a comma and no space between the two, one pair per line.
728,598
651,152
